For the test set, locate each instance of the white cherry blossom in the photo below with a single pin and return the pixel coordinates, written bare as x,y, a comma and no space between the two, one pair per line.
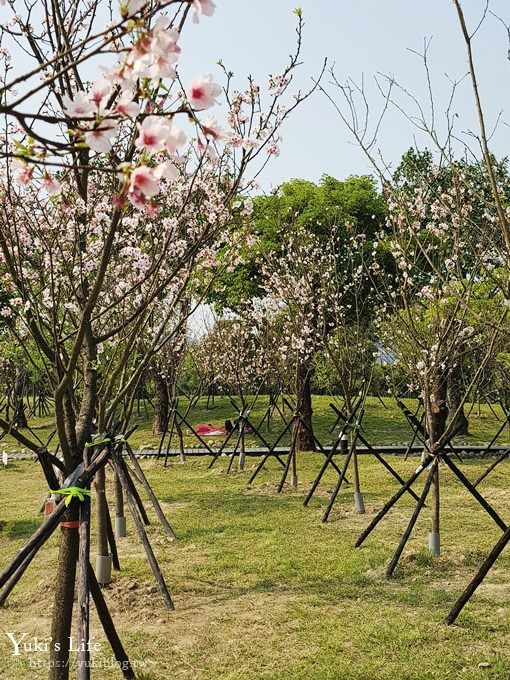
79,106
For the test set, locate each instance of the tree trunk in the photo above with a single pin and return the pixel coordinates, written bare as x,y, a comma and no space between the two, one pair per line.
19,415
63,601
454,399
437,414
161,405
305,440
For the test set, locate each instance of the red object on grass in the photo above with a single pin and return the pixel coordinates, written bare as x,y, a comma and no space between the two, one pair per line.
210,430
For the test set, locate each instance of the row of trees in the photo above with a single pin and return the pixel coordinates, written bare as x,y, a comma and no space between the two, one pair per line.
123,206
339,284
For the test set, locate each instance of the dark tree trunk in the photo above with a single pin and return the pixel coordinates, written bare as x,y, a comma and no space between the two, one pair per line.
437,408
454,399
63,601
305,440
437,415
161,405
19,415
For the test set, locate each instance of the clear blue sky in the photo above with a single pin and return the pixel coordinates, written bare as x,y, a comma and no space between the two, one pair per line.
360,37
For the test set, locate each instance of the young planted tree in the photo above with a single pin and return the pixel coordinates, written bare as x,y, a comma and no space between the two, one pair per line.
444,242
106,215
165,371
292,228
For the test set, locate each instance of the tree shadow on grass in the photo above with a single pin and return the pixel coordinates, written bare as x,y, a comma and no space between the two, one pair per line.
12,466
20,528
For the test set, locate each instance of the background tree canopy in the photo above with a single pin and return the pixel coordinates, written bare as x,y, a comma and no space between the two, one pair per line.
351,206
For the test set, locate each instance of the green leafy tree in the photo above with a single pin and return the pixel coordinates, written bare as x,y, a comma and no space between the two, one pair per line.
329,211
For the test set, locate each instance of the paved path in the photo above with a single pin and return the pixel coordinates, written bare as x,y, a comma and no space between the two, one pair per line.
468,450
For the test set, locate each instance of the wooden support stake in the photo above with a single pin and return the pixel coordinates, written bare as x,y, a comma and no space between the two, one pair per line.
271,452
150,493
339,481
291,455
498,460
133,507
221,449
109,627
478,578
112,543
134,491
83,608
474,492
13,580
387,507
41,535
407,533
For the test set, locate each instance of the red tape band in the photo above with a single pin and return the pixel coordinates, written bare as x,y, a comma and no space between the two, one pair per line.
70,525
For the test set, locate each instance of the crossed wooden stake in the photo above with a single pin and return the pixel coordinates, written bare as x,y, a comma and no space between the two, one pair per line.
418,427
502,456
351,423
294,423
109,450
430,462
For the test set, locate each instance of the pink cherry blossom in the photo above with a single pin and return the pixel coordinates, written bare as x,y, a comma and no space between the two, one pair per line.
162,67
205,7
137,199
52,185
157,134
25,174
202,92
143,182
122,75
99,138
166,170
277,84
174,140
127,107
211,128
101,90
272,149
152,134
164,40
156,54
79,106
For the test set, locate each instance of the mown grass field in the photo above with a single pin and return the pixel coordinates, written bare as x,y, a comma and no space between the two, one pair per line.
263,590
383,423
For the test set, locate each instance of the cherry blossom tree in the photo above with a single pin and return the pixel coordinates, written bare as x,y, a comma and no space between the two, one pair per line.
449,232
116,190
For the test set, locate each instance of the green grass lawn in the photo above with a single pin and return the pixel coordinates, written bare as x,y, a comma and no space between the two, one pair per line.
263,590
383,423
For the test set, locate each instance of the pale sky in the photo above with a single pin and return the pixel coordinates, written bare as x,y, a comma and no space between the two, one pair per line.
362,37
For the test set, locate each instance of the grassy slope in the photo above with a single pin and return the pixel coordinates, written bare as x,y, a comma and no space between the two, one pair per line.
383,425
263,590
